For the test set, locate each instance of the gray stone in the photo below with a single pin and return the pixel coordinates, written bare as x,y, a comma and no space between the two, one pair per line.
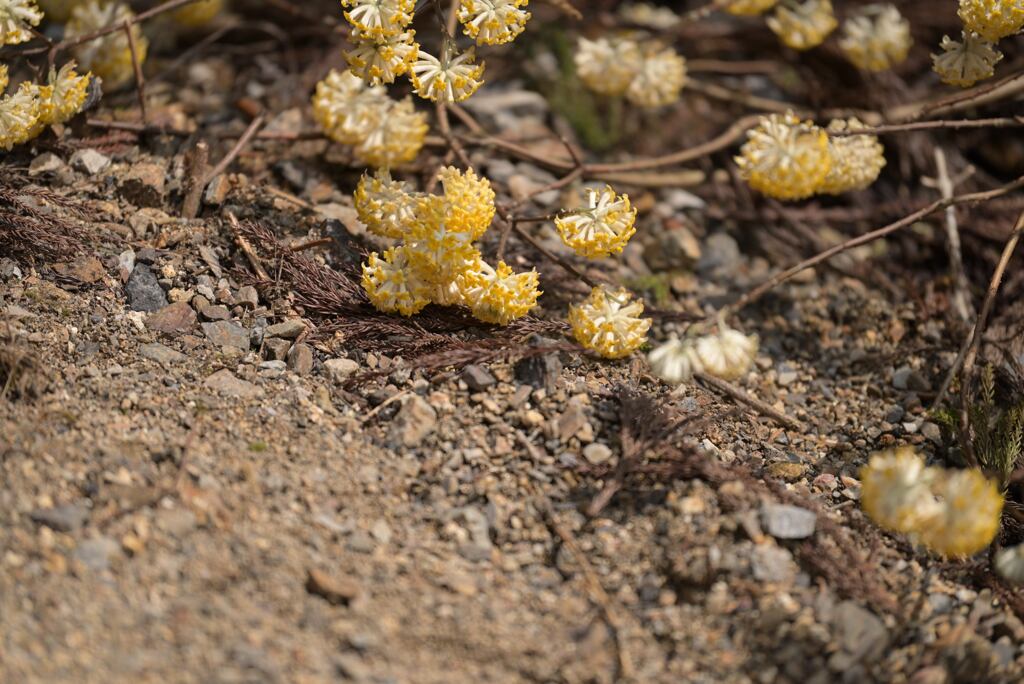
224,382
772,563
176,522
540,371
173,318
597,453
143,290
932,432
572,422
227,334
340,370
477,377
66,518
45,163
275,349
414,422
154,351
478,547
96,554
247,296
143,184
288,330
126,264
212,312
300,359
786,375
721,254
788,522
861,634
90,162
906,378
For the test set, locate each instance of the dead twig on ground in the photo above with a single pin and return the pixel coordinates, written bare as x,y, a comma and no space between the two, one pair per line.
730,390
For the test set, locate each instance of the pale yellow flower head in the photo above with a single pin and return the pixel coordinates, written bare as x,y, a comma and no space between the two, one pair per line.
675,361
3,78
198,13
803,24
437,247
470,200
493,22
992,19
749,7
660,78
967,61
19,116
392,285
109,57
876,38
452,78
381,60
386,206
64,96
601,228
784,157
17,18
608,65
967,520
896,490
346,108
609,322
379,18
395,137
727,354
498,295
856,159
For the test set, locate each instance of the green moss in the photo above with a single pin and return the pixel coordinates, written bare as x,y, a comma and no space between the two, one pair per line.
258,446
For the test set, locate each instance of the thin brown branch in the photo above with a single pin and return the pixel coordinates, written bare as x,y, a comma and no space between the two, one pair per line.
730,390
998,122
236,150
552,256
140,80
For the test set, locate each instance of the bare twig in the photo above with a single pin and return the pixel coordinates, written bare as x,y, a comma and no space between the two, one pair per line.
730,390
961,294
552,256
196,166
140,80
236,150
952,124
250,253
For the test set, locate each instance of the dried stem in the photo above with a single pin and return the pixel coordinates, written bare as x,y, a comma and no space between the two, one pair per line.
730,390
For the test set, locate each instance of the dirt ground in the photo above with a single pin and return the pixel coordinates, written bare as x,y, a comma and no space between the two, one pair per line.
205,477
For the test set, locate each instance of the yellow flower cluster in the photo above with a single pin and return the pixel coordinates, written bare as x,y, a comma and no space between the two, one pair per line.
727,354
967,61
803,24
877,38
601,228
608,322
198,13
649,76
437,261
382,131
452,78
950,512
649,16
791,159
992,19
749,7
109,57
17,18
25,113
493,22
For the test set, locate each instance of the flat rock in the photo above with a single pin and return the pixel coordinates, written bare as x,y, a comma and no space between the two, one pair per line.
275,349
337,591
143,290
226,334
173,318
414,422
597,453
224,382
154,351
66,518
45,163
96,554
861,634
300,359
143,184
771,563
90,162
288,330
340,370
787,522
477,377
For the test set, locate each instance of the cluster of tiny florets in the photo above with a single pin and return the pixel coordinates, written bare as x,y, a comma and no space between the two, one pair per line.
493,22
601,228
791,159
25,113
876,38
992,19
608,322
803,24
17,19
650,76
437,261
109,57
950,512
382,131
966,61
749,7
726,354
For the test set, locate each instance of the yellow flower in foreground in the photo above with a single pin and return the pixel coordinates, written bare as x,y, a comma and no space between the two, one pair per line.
856,159
877,38
470,201
675,361
967,61
437,247
386,206
453,78
109,57
895,490
968,517
784,157
396,136
19,116
608,322
392,284
379,18
992,19
346,108
729,354
3,78
17,17
749,7
601,228
493,22
382,60
64,96
498,295
803,24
